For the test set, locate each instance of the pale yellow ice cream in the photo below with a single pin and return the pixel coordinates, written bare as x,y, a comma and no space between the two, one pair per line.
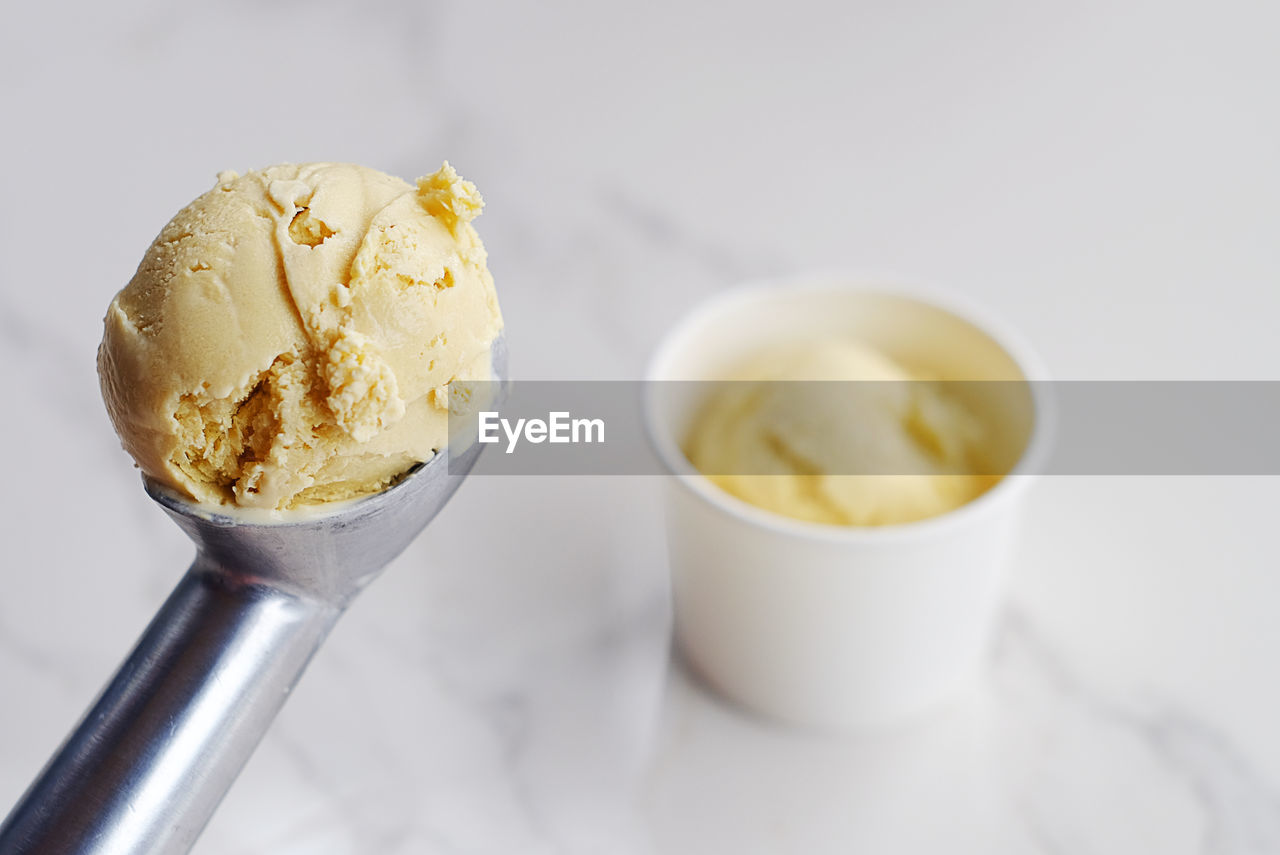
780,438
290,336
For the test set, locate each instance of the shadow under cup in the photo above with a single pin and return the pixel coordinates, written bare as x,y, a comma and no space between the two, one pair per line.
839,627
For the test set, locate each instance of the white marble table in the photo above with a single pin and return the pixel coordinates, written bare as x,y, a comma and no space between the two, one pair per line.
1103,175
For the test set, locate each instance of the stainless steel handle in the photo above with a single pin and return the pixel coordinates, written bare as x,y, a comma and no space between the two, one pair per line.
154,756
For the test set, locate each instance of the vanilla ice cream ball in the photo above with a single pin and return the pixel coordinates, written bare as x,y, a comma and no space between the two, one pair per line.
290,336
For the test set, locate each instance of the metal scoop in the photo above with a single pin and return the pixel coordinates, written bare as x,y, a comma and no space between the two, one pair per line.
154,756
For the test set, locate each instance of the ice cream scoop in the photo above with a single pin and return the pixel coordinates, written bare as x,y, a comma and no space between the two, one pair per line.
289,411
155,754
289,336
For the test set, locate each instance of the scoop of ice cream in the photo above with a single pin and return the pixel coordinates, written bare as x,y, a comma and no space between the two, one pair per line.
290,335
782,436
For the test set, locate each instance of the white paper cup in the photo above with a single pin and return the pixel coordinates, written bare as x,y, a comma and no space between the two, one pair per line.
826,626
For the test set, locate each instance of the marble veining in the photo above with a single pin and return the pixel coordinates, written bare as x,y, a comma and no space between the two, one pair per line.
1198,778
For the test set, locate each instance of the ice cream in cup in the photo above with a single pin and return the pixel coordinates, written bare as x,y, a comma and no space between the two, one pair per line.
849,464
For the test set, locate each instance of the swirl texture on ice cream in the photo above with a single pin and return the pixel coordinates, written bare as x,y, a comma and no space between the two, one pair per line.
790,428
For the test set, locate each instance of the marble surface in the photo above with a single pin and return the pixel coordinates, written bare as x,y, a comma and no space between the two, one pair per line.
1102,175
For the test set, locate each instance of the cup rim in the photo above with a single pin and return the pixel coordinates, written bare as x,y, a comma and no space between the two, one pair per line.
1001,334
